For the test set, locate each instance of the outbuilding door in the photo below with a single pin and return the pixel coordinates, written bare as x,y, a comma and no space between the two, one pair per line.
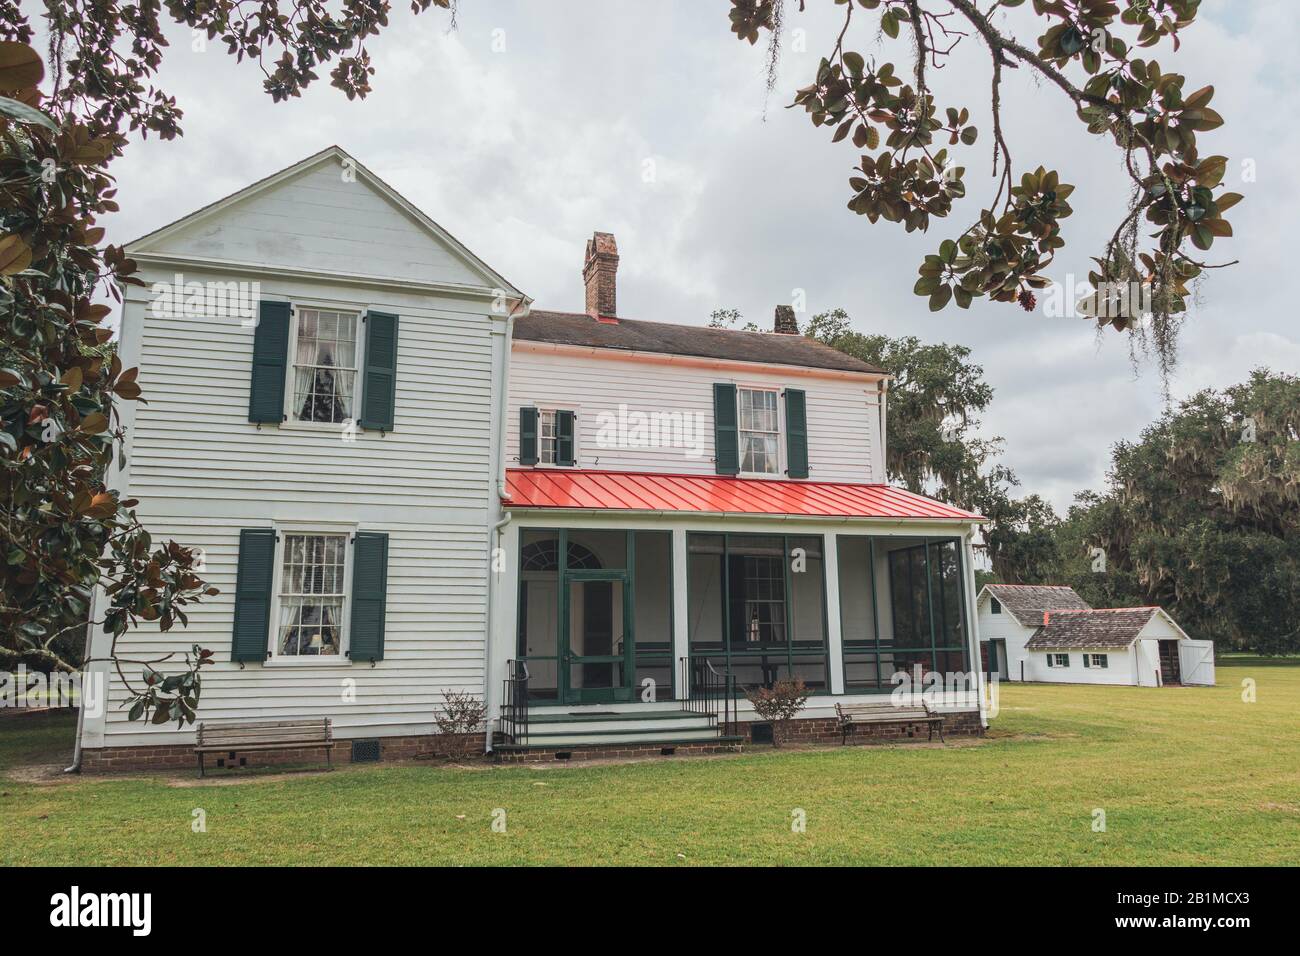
1170,671
1196,658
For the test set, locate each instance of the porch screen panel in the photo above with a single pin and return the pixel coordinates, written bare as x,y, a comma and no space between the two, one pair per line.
807,577
706,600
926,608
747,614
539,611
862,672
652,607
951,652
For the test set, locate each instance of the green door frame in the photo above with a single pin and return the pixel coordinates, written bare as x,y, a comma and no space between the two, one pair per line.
568,660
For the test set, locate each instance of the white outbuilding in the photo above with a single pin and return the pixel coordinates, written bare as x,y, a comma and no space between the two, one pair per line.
1049,633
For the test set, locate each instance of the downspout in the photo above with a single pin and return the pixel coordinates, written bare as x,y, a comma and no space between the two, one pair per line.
81,702
883,405
503,494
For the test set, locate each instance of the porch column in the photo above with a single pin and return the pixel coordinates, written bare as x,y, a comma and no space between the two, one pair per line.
681,612
968,563
834,640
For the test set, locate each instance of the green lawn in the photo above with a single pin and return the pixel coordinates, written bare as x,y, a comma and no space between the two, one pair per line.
1185,776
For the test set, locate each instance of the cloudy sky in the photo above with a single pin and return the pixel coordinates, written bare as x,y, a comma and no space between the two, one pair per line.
533,124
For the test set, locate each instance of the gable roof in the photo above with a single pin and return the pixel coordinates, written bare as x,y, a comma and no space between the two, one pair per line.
671,338
145,245
1027,602
1102,627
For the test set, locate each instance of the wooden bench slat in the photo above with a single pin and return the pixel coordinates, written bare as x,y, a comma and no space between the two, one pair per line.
315,733
886,712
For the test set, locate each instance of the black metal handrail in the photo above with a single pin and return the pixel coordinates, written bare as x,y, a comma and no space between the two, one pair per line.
709,691
514,703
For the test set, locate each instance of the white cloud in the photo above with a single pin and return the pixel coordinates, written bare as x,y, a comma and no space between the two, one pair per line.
522,153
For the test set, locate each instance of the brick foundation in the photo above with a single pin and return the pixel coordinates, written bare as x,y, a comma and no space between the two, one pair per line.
826,730
613,752
182,757
810,730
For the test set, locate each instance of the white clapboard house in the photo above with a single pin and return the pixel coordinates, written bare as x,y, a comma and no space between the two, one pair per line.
405,480
1032,632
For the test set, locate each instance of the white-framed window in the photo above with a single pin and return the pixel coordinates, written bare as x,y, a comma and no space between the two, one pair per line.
312,576
1058,660
995,606
1098,660
323,373
759,419
548,438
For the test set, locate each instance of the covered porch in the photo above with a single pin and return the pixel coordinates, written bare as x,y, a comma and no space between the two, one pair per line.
621,622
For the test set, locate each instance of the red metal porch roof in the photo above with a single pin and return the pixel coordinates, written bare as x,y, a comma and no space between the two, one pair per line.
716,494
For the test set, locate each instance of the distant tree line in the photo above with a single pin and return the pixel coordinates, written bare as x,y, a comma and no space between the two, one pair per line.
1200,515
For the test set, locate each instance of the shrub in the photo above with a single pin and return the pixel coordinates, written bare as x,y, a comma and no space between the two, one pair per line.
461,714
779,704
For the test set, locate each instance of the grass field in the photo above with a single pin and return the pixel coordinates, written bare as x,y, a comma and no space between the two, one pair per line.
1185,776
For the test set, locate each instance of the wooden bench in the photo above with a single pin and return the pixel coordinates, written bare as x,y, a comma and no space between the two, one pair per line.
234,737
886,712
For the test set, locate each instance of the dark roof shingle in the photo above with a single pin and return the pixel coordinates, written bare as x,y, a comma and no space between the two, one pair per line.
636,335
1027,602
1108,627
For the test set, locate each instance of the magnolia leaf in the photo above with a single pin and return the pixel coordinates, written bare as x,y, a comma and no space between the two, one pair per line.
94,423
940,297
20,66
25,114
15,255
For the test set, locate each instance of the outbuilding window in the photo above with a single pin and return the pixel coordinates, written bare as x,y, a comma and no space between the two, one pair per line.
1096,660
1058,660
995,606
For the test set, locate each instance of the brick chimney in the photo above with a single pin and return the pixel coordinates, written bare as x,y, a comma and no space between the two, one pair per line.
785,322
598,273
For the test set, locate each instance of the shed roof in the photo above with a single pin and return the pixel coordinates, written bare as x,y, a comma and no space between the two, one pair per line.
1102,627
1027,602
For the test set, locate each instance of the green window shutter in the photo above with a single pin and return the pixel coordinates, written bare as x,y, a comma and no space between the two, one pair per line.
564,438
379,380
253,585
1085,661
528,435
726,438
270,354
369,596
796,433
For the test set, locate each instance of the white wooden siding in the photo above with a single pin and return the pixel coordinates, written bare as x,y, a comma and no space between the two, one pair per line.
320,220
202,472
843,421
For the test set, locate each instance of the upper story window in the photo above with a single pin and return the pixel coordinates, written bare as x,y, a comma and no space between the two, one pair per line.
312,591
325,366
548,439
547,436
995,605
760,431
